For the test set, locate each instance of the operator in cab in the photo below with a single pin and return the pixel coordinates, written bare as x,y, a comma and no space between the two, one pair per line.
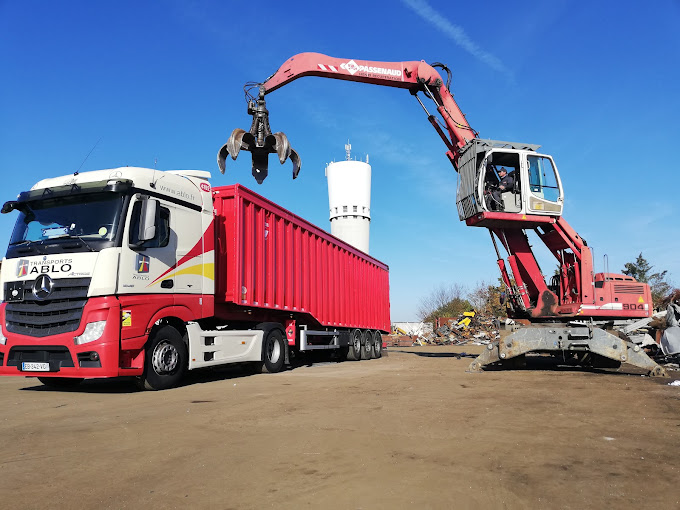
505,183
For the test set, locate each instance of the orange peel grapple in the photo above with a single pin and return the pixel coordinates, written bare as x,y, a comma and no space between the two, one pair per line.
260,141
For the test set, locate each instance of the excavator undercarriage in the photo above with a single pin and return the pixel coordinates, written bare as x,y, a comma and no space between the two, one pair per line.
574,344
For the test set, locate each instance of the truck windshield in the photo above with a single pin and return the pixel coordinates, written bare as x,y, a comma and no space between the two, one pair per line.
90,217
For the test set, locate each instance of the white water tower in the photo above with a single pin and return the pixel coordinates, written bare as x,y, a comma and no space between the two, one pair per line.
349,198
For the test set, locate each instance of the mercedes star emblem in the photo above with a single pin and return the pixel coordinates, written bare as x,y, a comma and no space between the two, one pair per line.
42,287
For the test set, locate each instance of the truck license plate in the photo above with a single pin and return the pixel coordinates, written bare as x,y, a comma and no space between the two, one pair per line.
27,366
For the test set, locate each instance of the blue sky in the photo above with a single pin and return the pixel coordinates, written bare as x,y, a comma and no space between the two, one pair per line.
594,83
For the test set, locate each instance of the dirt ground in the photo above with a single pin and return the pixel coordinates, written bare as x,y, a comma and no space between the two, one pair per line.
410,430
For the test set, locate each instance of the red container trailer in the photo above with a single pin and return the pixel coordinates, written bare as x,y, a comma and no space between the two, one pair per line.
149,274
272,263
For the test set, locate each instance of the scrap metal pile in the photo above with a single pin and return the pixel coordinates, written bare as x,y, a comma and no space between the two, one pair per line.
659,336
468,328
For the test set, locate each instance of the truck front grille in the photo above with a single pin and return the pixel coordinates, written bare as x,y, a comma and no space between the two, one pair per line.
59,313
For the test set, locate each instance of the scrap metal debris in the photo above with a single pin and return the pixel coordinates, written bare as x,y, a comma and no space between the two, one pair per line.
670,341
468,328
659,336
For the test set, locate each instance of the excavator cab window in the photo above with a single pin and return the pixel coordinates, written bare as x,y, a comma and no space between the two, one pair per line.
542,179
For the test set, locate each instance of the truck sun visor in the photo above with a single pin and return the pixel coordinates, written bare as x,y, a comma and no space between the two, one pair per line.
119,186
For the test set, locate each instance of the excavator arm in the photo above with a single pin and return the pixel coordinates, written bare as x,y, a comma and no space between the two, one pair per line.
414,76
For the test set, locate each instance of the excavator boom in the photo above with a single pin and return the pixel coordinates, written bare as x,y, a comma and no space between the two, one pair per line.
414,76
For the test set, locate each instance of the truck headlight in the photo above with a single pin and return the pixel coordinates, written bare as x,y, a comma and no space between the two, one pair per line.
3,338
93,331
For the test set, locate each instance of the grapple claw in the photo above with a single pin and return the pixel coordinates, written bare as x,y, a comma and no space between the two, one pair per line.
295,159
281,146
234,142
239,139
259,141
260,166
222,157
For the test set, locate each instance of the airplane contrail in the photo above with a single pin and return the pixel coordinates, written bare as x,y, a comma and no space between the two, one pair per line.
455,32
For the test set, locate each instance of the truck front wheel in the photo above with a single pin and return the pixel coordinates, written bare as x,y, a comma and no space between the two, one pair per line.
166,360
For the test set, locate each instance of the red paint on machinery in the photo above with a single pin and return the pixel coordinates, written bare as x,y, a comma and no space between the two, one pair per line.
270,264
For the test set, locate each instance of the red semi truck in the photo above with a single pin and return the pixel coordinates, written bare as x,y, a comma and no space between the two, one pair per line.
137,272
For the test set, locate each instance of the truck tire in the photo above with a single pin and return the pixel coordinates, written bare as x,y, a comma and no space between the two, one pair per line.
354,351
60,383
273,351
367,345
166,360
377,344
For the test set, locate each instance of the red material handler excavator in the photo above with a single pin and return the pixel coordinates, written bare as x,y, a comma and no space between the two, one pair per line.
567,309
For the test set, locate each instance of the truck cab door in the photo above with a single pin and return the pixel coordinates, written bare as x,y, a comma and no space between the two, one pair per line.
188,273
145,263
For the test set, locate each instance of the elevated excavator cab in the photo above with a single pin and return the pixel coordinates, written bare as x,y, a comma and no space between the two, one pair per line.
535,189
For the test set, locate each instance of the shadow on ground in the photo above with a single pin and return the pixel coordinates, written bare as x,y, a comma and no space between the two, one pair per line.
200,376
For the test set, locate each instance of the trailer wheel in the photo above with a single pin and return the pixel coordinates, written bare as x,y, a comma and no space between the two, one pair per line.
367,345
377,344
273,352
166,360
354,351
60,383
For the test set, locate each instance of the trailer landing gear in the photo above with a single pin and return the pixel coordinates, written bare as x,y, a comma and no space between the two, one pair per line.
582,345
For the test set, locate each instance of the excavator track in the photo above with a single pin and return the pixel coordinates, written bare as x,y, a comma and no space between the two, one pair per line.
583,344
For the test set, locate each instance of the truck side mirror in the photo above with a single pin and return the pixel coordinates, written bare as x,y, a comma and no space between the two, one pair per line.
147,222
8,207
149,219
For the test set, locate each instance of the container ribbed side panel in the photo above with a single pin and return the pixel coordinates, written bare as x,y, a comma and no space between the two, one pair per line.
270,258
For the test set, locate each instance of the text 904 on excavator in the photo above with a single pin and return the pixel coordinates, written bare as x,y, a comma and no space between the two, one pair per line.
508,188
